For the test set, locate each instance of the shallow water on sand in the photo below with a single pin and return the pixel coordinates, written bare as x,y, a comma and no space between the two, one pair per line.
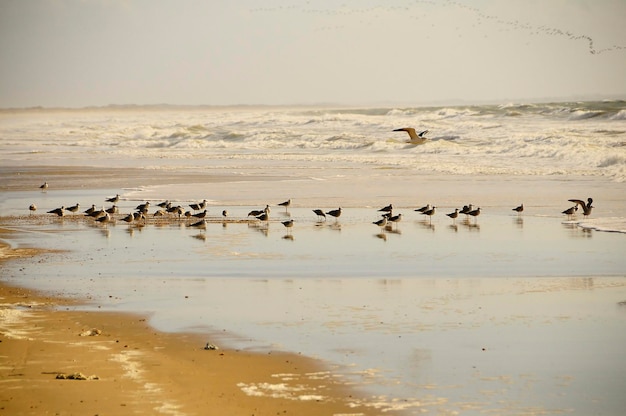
503,313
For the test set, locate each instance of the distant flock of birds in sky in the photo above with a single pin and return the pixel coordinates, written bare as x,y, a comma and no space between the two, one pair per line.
197,214
480,15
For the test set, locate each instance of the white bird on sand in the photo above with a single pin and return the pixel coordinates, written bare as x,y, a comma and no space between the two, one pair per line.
414,137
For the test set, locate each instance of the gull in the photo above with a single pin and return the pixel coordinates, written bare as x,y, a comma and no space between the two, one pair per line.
395,219
570,211
423,209
58,211
199,224
519,209
44,186
200,214
73,208
255,212
129,218
114,200
199,206
586,207
414,137
288,224
335,213
430,213
112,210
143,208
97,213
105,218
263,217
164,204
388,208
90,210
320,214
466,209
454,214
474,213
285,204
382,223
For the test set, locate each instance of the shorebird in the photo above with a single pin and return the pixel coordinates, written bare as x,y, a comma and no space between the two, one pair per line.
44,186
159,213
288,224
285,204
255,212
320,214
32,208
586,207
199,206
335,213
382,223
113,200
90,210
112,210
104,218
424,208
143,208
414,137
58,211
129,218
200,214
263,217
97,213
139,216
224,213
454,214
164,204
388,208
519,209
466,209
430,213
73,208
199,224
395,219
474,213
570,211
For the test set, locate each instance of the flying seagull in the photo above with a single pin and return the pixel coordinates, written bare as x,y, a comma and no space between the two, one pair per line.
415,138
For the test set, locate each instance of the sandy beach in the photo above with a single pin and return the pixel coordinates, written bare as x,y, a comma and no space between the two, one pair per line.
456,345
56,360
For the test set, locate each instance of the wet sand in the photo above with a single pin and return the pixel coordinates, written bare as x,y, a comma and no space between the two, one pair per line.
474,343
133,369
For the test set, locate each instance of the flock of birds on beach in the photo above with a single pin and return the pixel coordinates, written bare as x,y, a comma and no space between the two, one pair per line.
197,214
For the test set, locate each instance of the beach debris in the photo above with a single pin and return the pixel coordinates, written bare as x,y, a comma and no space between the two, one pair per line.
211,347
93,332
76,376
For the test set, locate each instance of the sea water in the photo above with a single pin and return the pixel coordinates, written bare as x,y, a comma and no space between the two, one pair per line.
503,312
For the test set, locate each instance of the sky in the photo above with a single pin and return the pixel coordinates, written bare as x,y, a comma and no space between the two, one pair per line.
77,53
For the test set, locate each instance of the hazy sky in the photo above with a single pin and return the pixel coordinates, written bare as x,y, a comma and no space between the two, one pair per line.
76,53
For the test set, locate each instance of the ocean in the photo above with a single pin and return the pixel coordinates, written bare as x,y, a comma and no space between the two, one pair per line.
561,139
505,313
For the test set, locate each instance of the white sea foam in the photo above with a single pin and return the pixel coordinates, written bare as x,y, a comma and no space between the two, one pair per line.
548,139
